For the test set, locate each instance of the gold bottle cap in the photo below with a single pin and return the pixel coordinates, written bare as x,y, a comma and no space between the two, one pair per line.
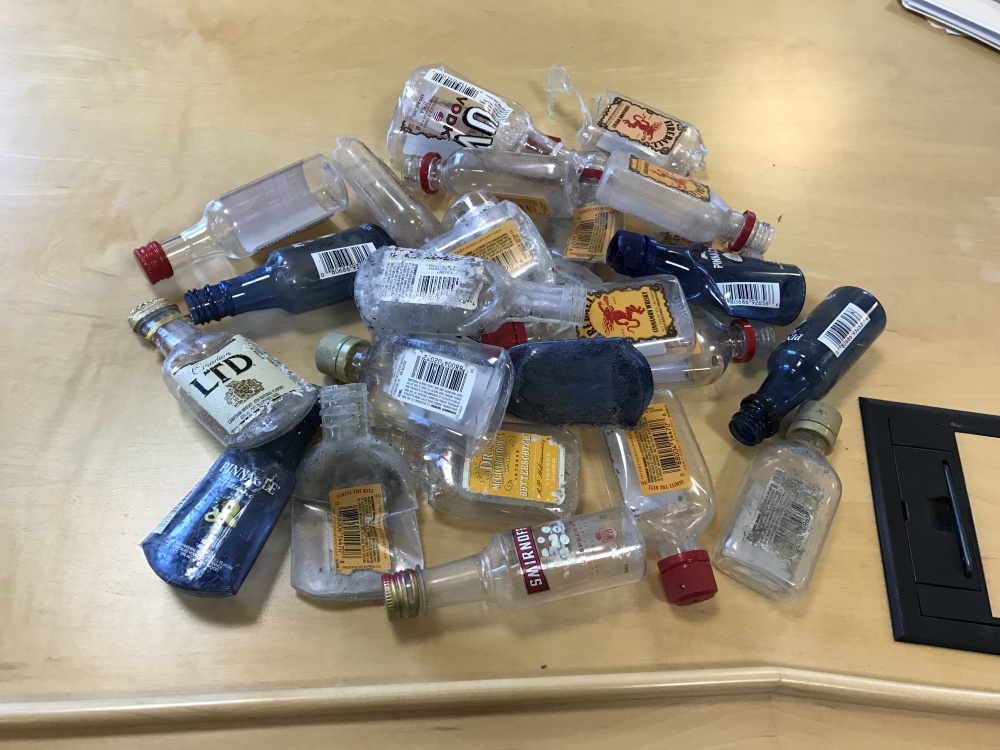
402,594
141,311
821,418
335,351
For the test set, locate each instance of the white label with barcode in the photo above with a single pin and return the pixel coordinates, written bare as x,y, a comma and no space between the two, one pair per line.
422,281
490,102
844,328
430,381
751,293
340,260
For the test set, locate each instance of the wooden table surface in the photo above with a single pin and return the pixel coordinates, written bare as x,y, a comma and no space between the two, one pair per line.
867,139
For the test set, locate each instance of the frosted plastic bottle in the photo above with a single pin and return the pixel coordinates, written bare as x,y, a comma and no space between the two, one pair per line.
236,390
615,122
528,566
402,290
405,218
784,508
354,506
664,481
445,391
441,110
680,205
246,220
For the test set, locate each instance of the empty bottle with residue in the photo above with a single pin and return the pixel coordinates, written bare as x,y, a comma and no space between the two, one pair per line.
664,481
528,566
246,220
784,508
354,513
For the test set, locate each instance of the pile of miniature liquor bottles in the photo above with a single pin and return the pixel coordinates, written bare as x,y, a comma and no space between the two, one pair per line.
491,333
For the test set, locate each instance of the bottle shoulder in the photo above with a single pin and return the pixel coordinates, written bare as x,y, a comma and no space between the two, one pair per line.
195,348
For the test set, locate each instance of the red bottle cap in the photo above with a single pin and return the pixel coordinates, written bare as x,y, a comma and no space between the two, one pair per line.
153,262
506,336
554,138
749,219
425,168
591,174
751,335
687,577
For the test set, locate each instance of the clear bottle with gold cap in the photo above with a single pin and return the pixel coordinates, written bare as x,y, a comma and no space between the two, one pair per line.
445,391
354,505
663,479
528,566
784,508
239,392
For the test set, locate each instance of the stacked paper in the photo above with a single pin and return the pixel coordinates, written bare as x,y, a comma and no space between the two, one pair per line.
979,19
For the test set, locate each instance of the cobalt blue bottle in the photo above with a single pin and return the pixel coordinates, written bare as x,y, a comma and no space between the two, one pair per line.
737,285
298,278
580,381
208,543
810,360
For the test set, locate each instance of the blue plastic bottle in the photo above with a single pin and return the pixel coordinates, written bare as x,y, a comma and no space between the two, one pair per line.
208,543
737,285
580,381
298,278
810,360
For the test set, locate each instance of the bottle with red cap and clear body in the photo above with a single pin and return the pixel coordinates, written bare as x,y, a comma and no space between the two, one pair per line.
680,205
664,481
528,566
247,220
441,110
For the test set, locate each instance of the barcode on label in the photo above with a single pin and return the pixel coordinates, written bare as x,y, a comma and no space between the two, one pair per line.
340,260
751,293
593,228
491,103
439,372
349,523
425,281
428,381
844,328
668,452
433,286
785,516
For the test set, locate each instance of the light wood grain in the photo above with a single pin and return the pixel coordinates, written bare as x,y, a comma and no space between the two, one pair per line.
981,467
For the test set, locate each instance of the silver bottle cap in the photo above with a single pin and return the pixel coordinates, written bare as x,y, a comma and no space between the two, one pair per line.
402,594
819,417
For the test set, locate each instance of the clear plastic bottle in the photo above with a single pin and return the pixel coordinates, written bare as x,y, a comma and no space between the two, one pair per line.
679,205
664,481
246,220
528,566
236,390
354,511
784,508
405,218
417,291
441,110
615,122
447,392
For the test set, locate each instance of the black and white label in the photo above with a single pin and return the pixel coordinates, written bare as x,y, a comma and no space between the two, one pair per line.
785,516
340,260
751,293
490,102
430,381
844,328
429,282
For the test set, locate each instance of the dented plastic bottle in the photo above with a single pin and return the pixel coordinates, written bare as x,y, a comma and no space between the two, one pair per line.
247,220
528,566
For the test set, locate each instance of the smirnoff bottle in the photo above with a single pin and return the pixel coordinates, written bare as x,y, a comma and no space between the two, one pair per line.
528,566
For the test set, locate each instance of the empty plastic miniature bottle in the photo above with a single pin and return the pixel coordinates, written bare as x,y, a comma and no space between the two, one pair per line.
735,284
208,543
528,566
784,507
807,364
664,481
440,110
417,291
615,122
679,204
405,218
239,392
298,278
448,392
718,345
246,220
603,381
354,510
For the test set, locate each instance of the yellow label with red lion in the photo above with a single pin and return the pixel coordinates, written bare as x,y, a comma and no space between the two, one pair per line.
638,313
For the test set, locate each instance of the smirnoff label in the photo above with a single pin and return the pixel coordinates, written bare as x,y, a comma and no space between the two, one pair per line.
529,560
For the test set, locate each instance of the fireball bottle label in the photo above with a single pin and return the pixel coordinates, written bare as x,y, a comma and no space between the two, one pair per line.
640,124
668,179
635,313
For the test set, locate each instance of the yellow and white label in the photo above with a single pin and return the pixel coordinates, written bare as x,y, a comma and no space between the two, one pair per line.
669,179
359,538
504,244
637,313
656,452
518,465
529,205
593,228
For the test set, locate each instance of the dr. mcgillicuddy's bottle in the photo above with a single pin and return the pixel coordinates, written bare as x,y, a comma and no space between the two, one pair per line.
248,219
810,360
298,278
239,392
678,204
208,543
528,566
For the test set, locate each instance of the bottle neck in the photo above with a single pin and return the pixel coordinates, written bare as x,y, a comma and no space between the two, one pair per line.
344,411
167,336
190,245
354,367
734,227
811,439
540,302
253,290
